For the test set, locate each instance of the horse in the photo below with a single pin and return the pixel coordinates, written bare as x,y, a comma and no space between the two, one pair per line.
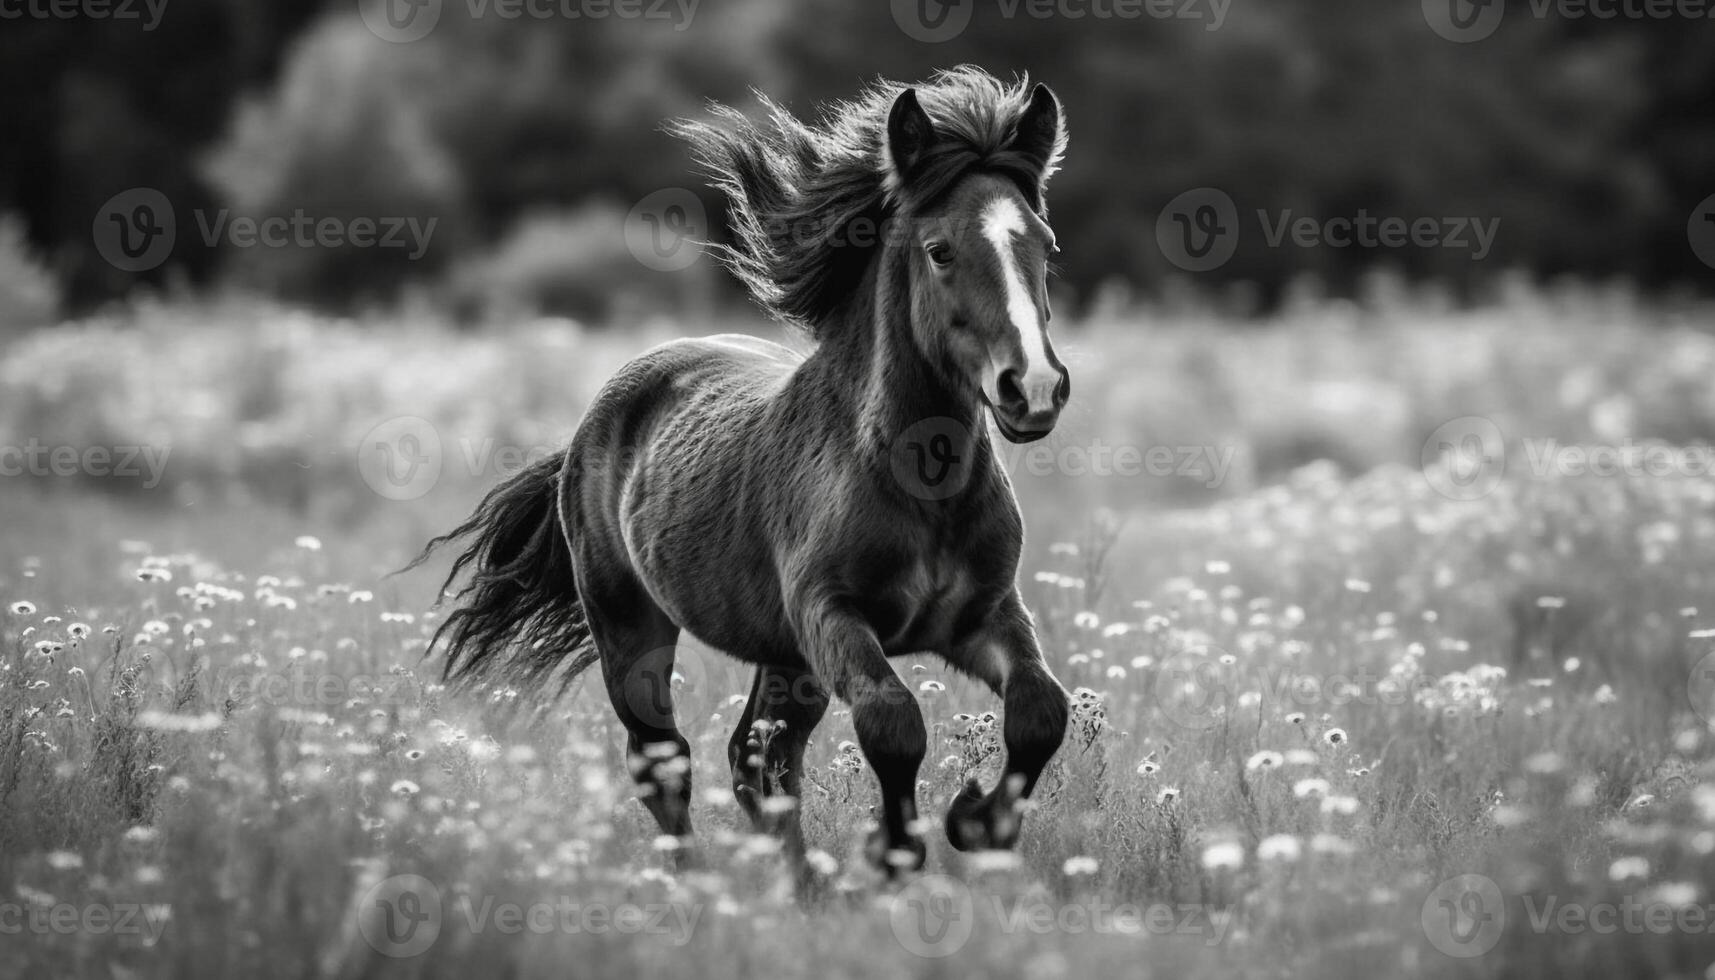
816,514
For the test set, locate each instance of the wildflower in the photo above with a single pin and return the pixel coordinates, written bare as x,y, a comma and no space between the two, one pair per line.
1605,695
1279,847
1343,806
308,542
64,860
154,573
1310,787
1215,566
1265,759
78,631
931,687
1224,856
360,595
22,608
1080,865
822,863
404,787
1334,736
1629,867
1168,795
1674,894
1357,585
1148,767
1295,718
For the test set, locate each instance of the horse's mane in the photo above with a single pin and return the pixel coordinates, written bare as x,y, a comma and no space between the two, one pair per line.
794,190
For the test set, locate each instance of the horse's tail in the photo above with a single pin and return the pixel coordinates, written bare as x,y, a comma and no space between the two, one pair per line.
519,617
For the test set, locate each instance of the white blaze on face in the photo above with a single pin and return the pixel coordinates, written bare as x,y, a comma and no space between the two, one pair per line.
1002,222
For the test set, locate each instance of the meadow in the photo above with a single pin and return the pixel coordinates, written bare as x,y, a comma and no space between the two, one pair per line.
1355,695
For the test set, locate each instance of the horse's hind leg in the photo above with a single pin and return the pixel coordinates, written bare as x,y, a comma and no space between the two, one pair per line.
1005,655
636,641
767,750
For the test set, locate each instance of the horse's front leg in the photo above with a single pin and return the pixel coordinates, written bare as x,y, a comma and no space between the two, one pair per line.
1003,652
847,657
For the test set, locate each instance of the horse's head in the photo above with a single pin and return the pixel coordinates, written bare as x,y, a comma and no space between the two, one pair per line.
978,258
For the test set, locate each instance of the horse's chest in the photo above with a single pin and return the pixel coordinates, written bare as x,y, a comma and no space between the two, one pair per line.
917,607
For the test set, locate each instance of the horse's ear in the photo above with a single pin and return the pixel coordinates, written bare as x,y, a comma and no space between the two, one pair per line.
910,134
1042,133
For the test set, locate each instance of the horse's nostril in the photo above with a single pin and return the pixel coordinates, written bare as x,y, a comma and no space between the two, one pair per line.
1011,391
1063,390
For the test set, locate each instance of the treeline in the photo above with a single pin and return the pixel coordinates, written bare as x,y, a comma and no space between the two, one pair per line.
1586,145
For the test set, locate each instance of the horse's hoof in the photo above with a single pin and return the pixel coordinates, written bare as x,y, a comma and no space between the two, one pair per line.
966,822
895,860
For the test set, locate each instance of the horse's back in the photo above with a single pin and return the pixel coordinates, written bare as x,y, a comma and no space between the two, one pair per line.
660,466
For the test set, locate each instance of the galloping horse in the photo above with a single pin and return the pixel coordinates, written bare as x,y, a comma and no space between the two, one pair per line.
812,515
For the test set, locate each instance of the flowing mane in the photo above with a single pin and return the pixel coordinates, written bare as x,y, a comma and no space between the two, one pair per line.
797,193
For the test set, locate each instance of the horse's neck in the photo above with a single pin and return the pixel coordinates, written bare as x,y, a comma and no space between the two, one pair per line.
890,387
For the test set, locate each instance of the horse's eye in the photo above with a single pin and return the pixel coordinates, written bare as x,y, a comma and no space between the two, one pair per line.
940,253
